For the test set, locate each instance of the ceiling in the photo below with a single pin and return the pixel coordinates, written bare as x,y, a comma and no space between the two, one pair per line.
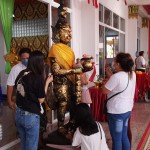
144,9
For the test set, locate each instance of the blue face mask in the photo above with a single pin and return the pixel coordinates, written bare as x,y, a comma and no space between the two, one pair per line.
24,62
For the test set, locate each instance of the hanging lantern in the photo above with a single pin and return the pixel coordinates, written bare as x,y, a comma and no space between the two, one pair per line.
144,22
133,11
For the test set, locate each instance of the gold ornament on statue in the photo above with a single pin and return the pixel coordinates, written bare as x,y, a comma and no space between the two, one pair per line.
62,30
12,57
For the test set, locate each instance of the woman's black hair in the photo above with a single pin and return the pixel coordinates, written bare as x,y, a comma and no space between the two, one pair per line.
84,119
36,62
126,62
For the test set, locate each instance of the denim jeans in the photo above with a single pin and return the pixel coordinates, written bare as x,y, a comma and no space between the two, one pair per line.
118,126
28,127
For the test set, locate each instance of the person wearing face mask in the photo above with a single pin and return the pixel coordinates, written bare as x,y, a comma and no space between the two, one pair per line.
24,55
120,89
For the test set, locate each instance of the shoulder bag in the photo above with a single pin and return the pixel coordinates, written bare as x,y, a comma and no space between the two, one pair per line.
105,102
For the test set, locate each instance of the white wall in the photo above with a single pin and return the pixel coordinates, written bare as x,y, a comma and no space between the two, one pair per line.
3,75
76,28
144,42
132,37
90,30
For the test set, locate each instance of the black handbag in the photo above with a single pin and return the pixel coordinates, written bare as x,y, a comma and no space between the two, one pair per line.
105,102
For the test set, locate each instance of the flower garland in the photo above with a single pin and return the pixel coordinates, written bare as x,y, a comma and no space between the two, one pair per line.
125,2
95,3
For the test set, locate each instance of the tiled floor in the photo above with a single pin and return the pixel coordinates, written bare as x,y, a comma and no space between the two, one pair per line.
139,121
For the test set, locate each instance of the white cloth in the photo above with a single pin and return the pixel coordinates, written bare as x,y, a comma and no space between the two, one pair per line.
140,61
85,97
92,142
14,73
122,102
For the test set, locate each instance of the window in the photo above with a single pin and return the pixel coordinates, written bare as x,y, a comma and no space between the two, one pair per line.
100,13
107,16
115,21
122,42
111,36
101,51
30,19
122,24
34,27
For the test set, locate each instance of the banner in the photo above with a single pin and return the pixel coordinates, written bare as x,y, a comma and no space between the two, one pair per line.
6,16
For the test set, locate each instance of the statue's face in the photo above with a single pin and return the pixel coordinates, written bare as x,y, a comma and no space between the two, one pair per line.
65,34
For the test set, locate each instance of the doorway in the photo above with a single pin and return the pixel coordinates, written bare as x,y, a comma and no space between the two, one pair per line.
111,45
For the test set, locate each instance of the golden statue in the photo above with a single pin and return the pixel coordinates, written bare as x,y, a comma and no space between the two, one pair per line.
67,84
66,80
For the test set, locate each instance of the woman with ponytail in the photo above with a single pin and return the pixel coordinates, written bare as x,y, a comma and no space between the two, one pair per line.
120,87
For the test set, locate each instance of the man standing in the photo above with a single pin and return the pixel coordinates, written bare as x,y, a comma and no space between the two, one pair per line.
24,55
140,62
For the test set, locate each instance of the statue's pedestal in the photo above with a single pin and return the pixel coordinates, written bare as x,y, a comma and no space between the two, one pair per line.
56,138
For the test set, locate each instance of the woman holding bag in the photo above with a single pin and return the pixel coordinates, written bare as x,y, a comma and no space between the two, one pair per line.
120,87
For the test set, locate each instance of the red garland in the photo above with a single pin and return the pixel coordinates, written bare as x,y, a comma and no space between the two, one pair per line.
95,3
91,79
124,1
149,41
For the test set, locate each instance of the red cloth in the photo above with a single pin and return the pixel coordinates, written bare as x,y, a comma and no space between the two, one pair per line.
97,104
95,3
149,41
136,94
142,83
93,75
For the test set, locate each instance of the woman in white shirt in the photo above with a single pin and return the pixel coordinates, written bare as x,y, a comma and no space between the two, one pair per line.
89,135
120,106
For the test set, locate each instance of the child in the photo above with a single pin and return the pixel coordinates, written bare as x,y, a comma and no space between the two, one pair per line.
86,98
89,134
